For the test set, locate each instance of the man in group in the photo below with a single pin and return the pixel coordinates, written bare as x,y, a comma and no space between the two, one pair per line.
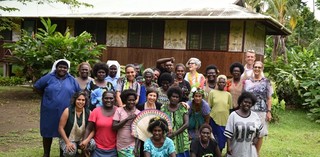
250,57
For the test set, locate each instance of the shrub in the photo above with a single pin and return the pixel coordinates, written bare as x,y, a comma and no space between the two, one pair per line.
11,81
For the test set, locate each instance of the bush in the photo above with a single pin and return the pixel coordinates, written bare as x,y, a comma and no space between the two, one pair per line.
11,81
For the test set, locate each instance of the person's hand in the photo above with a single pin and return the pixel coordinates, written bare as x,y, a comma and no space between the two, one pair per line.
185,105
171,135
229,151
173,60
136,152
132,116
70,147
84,144
269,116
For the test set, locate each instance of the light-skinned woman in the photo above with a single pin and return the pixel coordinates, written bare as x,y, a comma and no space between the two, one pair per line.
193,77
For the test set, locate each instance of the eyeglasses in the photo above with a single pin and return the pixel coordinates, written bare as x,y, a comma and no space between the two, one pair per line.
256,67
191,63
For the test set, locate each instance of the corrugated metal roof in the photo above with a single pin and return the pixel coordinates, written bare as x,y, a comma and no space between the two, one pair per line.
146,9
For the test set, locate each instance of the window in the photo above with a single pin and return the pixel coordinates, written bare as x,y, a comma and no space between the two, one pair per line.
29,26
97,28
6,35
208,35
146,34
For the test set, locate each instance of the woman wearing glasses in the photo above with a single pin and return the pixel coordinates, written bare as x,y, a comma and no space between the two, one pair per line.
193,77
262,89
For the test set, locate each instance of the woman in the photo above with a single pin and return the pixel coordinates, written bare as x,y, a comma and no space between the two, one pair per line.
72,126
129,82
204,146
180,71
158,144
243,128
151,103
127,145
56,89
235,84
114,72
180,119
100,121
156,75
262,89
99,85
165,81
193,77
84,69
220,102
147,83
199,112
211,80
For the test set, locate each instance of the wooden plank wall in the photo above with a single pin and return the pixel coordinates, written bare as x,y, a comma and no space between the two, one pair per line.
149,56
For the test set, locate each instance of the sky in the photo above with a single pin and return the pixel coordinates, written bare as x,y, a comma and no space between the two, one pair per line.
310,5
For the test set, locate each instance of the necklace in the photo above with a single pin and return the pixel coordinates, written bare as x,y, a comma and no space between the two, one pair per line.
204,145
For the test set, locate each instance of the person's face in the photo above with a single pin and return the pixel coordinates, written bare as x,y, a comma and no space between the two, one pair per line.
197,98
221,84
80,102
165,85
250,58
257,69
246,104
156,75
137,69
236,73
148,78
84,71
174,99
152,98
113,71
205,134
62,70
130,73
169,66
157,133
101,74
131,102
211,75
108,100
192,65
180,72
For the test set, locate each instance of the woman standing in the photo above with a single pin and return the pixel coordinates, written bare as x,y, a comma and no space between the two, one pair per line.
180,71
147,83
158,144
235,84
127,145
243,128
220,102
262,89
84,69
199,112
72,126
100,121
180,119
129,82
193,77
56,89
99,85
114,72
204,146
211,80
165,81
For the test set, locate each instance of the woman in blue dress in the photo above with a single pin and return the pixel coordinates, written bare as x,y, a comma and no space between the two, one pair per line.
56,89
158,145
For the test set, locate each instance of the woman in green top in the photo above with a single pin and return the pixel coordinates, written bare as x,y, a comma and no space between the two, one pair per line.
180,119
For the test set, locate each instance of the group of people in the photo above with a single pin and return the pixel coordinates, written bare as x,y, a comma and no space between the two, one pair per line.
93,115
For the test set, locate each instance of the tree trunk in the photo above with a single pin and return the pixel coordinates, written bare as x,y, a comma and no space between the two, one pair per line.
283,49
275,47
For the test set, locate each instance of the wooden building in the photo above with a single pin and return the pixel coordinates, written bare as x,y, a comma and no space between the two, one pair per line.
142,31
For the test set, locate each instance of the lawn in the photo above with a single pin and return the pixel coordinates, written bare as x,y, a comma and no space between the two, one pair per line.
293,136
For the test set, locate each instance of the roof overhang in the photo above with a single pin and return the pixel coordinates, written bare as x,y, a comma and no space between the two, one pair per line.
148,9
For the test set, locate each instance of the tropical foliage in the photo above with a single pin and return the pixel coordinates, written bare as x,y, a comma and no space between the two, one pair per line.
37,53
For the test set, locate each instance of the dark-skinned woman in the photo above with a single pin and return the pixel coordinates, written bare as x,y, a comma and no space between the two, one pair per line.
56,89
235,84
84,69
165,81
180,71
211,80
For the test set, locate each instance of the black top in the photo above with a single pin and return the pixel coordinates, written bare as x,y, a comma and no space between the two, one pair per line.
197,148
141,107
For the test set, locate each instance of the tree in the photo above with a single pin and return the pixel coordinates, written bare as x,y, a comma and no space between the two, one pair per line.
37,53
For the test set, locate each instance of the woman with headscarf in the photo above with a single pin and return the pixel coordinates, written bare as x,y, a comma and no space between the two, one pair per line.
114,72
84,69
193,77
234,85
56,89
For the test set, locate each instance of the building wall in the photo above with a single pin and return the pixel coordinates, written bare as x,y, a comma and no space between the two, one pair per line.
175,34
117,33
255,37
236,36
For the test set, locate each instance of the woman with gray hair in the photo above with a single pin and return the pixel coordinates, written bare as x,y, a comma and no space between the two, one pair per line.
193,77
148,75
220,102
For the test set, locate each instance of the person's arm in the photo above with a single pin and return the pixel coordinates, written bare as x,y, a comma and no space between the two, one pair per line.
207,119
173,154
88,135
118,98
136,147
116,125
217,151
164,60
269,105
146,154
62,123
184,126
192,154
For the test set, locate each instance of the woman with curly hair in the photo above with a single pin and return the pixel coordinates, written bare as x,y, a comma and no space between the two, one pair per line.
165,81
235,84
180,119
158,144
84,69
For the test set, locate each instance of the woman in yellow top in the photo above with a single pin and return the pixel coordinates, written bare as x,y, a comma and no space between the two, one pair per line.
220,102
